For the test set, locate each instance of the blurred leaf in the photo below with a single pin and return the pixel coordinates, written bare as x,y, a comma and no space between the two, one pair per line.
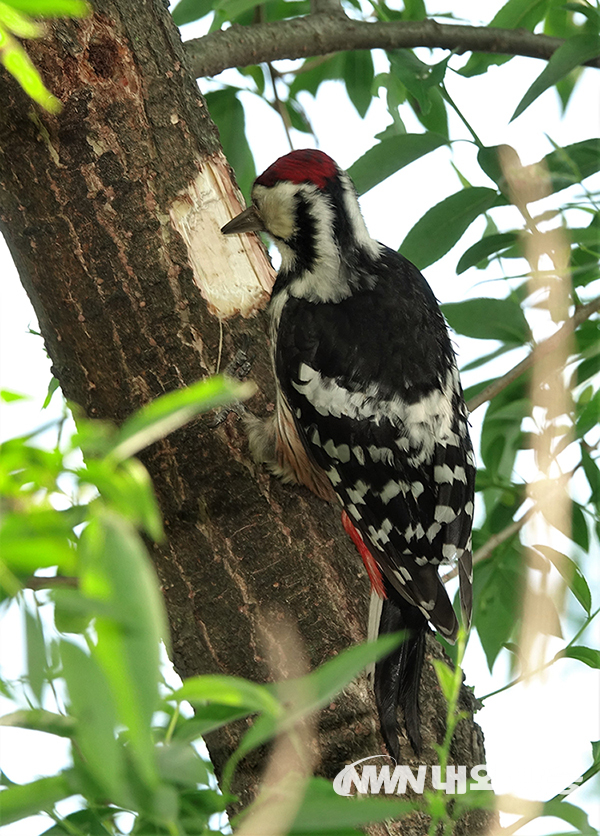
17,23
323,811
12,397
52,387
568,812
127,488
173,410
38,719
93,706
36,653
186,11
22,800
444,224
89,822
577,50
358,76
18,64
228,114
588,655
207,718
52,8
389,156
181,765
488,319
73,612
489,245
445,677
116,571
572,574
228,690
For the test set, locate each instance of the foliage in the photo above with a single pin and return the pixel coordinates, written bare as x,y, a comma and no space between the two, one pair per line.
133,749
93,627
19,19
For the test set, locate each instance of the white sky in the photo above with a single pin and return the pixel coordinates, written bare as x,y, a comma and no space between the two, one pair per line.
537,737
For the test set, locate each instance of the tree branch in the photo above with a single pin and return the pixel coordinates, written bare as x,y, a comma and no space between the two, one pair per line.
582,312
495,540
327,31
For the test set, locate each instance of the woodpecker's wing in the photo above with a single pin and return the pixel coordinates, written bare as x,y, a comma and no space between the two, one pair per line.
372,384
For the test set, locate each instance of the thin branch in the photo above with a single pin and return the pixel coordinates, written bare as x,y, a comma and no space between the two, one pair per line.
38,582
323,33
582,312
495,540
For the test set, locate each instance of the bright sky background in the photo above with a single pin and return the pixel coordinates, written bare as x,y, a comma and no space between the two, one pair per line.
532,750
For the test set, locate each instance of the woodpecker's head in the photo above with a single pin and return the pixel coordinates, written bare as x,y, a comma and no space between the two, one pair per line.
308,206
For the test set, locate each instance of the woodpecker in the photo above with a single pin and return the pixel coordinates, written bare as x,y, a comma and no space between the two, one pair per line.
369,409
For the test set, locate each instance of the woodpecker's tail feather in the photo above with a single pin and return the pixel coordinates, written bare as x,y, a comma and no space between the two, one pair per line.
397,676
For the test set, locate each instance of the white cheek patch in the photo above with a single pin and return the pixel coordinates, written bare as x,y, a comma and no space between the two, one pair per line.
277,208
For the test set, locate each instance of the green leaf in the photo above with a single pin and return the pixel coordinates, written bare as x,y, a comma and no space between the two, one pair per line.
568,812
489,245
181,765
574,52
590,467
52,387
186,11
488,319
38,719
93,707
311,692
22,800
579,529
588,655
445,677
228,113
18,64
116,571
12,397
36,654
444,224
572,164
127,488
572,574
497,588
20,25
389,156
52,8
207,718
323,811
358,75
228,690
173,410
85,821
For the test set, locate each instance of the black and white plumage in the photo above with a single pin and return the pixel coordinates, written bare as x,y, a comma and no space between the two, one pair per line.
370,406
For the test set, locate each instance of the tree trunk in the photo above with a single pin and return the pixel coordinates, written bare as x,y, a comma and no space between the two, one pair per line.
112,212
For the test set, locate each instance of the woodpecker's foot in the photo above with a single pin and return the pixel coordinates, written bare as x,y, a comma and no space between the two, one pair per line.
241,365
239,368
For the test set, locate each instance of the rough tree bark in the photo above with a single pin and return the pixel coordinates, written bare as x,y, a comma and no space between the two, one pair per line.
111,211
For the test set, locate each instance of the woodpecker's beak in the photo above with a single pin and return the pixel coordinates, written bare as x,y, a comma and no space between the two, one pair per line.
247,221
